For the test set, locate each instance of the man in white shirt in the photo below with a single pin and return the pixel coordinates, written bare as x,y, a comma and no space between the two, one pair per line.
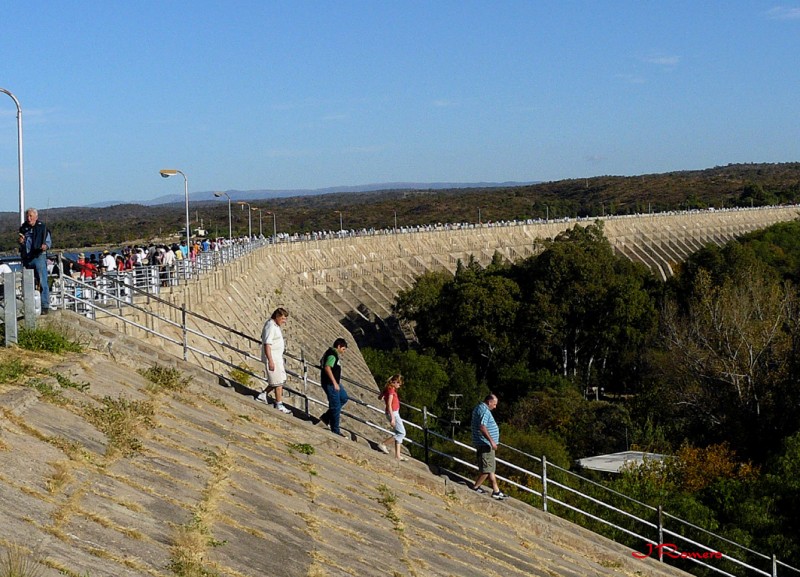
272,348
109,262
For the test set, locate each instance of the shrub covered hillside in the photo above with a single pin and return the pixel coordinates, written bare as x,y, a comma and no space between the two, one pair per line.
727,186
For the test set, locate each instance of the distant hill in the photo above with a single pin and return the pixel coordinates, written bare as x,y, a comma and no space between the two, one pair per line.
406,204
248,195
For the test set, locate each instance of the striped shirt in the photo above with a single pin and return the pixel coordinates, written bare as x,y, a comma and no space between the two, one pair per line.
482,415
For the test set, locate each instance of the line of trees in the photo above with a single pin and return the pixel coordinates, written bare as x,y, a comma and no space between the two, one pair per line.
590,354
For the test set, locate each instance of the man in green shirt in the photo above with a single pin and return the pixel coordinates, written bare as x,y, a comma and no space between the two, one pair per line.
330,378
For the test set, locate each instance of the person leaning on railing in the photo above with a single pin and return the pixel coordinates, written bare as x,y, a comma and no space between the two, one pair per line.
34,241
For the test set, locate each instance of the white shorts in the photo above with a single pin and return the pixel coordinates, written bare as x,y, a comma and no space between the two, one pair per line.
277,377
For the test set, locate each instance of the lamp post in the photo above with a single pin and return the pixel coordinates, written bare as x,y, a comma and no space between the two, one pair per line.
341,228
260,229
19,156
274,226
395,222
166,173
230,221
249,218
479,216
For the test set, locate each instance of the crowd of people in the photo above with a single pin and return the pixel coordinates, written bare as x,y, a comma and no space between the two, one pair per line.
165,256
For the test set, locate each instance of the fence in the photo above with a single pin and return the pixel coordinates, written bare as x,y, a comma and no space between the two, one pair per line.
529,478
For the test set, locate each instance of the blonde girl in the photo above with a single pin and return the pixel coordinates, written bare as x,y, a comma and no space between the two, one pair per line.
389,396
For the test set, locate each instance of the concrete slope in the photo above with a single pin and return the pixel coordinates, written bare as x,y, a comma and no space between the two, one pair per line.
104,473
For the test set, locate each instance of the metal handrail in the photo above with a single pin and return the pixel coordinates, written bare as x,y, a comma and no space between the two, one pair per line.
115,300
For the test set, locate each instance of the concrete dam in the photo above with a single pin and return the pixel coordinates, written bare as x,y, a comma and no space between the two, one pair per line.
324,284
351,283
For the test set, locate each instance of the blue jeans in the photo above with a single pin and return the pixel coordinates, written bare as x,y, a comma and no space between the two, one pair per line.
39,266
399,427
336,400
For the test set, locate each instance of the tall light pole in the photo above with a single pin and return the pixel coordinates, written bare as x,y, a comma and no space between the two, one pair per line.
274,226
166,173
19,156
249,218
341,228
395,222
260,229
479,216
230,221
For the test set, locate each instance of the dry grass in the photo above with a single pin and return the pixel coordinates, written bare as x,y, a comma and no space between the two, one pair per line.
107,523
20,562
62,474
70,507
123,421
192,541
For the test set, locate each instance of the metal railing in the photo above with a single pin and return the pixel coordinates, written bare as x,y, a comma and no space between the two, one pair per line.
529,478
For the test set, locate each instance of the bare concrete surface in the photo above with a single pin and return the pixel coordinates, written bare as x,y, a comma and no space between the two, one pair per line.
205,481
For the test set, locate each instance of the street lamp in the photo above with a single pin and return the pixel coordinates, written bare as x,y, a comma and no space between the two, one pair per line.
249,218
230,225
166,173
260,229
479,216
341,228
395,222
19,156
274,227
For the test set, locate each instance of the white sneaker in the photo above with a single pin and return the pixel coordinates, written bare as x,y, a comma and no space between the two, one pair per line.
383,448
283,409
262,398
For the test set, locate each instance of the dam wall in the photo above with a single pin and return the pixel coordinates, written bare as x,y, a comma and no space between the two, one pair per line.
346,284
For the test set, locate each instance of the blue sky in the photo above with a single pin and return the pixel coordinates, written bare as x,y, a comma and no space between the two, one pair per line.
244,95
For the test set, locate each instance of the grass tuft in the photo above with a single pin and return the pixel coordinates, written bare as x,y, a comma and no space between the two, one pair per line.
12,370
122,420
388,499
166,378
47,339
18,562
65,382
303,448
241,375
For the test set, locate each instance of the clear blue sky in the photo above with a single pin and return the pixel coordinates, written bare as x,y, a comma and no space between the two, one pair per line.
305,94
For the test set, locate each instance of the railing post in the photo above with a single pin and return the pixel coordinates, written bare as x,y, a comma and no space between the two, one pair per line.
10,304
425,434
29,298
774,565
660,533
305,382
544,483
185,335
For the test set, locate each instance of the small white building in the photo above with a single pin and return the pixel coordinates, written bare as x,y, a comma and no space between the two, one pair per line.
615,462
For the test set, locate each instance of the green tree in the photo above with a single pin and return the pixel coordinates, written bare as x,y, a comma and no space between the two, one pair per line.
729,352
586,311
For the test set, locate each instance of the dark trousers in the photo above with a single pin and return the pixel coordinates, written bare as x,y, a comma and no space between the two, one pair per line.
39,266
336,400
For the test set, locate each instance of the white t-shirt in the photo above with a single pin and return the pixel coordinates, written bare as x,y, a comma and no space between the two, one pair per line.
273,336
